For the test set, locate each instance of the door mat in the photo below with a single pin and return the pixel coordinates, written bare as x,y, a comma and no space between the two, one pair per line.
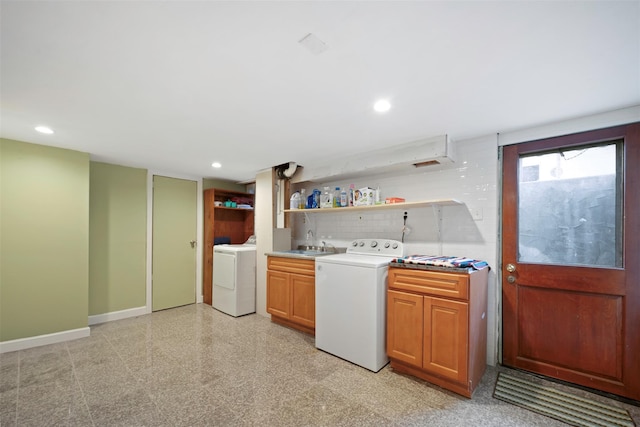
565,407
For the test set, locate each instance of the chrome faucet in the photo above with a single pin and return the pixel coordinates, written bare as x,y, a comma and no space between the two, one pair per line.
309,239
327,247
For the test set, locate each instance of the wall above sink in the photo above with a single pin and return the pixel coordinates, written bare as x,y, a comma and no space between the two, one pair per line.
424,152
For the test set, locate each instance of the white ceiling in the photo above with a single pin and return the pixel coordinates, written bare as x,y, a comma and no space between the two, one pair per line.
174,85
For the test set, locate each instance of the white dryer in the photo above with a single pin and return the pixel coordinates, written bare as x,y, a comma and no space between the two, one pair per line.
234,279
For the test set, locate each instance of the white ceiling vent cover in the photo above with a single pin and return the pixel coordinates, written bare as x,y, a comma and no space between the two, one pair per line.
313,44
424,152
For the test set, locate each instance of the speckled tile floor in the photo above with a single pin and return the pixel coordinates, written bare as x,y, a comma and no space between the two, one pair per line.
194,366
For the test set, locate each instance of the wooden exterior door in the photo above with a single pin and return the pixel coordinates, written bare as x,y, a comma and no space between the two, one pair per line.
571,258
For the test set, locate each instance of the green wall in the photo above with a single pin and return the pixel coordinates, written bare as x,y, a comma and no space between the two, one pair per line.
117,238
44,239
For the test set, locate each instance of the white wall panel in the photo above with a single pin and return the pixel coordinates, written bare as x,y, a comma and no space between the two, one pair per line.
473,180
566,127
468,230
264,224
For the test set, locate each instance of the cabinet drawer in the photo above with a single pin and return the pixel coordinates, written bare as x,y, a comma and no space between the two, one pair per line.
292,265
444,284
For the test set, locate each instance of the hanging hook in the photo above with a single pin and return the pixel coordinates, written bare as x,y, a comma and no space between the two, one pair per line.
404,226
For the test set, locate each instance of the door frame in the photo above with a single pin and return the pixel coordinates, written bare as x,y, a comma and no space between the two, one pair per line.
619,378
623,116
199,231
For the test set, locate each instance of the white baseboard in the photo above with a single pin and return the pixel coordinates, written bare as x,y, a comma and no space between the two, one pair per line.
37,341
117,315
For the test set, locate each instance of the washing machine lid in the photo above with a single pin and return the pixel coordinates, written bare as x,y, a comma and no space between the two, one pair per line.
371,261
245,247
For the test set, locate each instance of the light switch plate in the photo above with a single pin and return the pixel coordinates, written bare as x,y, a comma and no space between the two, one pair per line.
476,214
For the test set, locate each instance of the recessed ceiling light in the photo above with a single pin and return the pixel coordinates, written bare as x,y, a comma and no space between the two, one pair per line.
216,165
44,129
382,106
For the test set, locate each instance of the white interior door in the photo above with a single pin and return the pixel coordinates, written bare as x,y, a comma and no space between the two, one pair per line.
174,242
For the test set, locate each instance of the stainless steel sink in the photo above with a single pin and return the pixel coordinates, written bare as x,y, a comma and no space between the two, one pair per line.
311,252
324,249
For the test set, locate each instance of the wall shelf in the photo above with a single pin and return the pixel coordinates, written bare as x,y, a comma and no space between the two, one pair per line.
406,205
233,209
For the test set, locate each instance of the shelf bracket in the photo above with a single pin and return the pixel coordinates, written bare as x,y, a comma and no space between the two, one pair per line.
437,212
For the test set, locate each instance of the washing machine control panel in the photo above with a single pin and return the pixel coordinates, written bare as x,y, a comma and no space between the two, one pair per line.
390,248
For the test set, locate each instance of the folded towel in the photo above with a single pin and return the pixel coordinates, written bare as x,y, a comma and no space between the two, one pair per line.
224,240
443,261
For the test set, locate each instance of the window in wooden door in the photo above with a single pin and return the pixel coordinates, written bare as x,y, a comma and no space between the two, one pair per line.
570,206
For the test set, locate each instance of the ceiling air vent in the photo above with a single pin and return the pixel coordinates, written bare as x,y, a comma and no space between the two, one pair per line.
313,44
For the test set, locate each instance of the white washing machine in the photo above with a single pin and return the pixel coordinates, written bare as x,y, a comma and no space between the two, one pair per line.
234,279
351,296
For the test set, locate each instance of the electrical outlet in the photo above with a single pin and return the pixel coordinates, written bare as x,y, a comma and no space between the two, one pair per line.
476,214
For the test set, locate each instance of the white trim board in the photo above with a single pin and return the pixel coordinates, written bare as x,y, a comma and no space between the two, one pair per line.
40,340
117,315
566,127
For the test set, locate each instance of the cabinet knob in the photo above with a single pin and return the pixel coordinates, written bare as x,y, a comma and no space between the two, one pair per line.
193,243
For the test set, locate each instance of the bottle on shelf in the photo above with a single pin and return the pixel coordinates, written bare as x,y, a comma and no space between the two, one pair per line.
295,201
336,198
352,190
327,198
303,198
315,199
344,199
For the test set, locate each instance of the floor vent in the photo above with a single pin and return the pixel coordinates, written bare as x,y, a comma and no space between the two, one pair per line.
565,407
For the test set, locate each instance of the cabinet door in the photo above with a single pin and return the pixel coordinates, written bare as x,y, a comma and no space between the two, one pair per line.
404,327
446,337
303,300
278,294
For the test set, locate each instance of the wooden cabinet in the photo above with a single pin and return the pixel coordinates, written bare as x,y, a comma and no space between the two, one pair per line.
437,326
220,221
291,292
